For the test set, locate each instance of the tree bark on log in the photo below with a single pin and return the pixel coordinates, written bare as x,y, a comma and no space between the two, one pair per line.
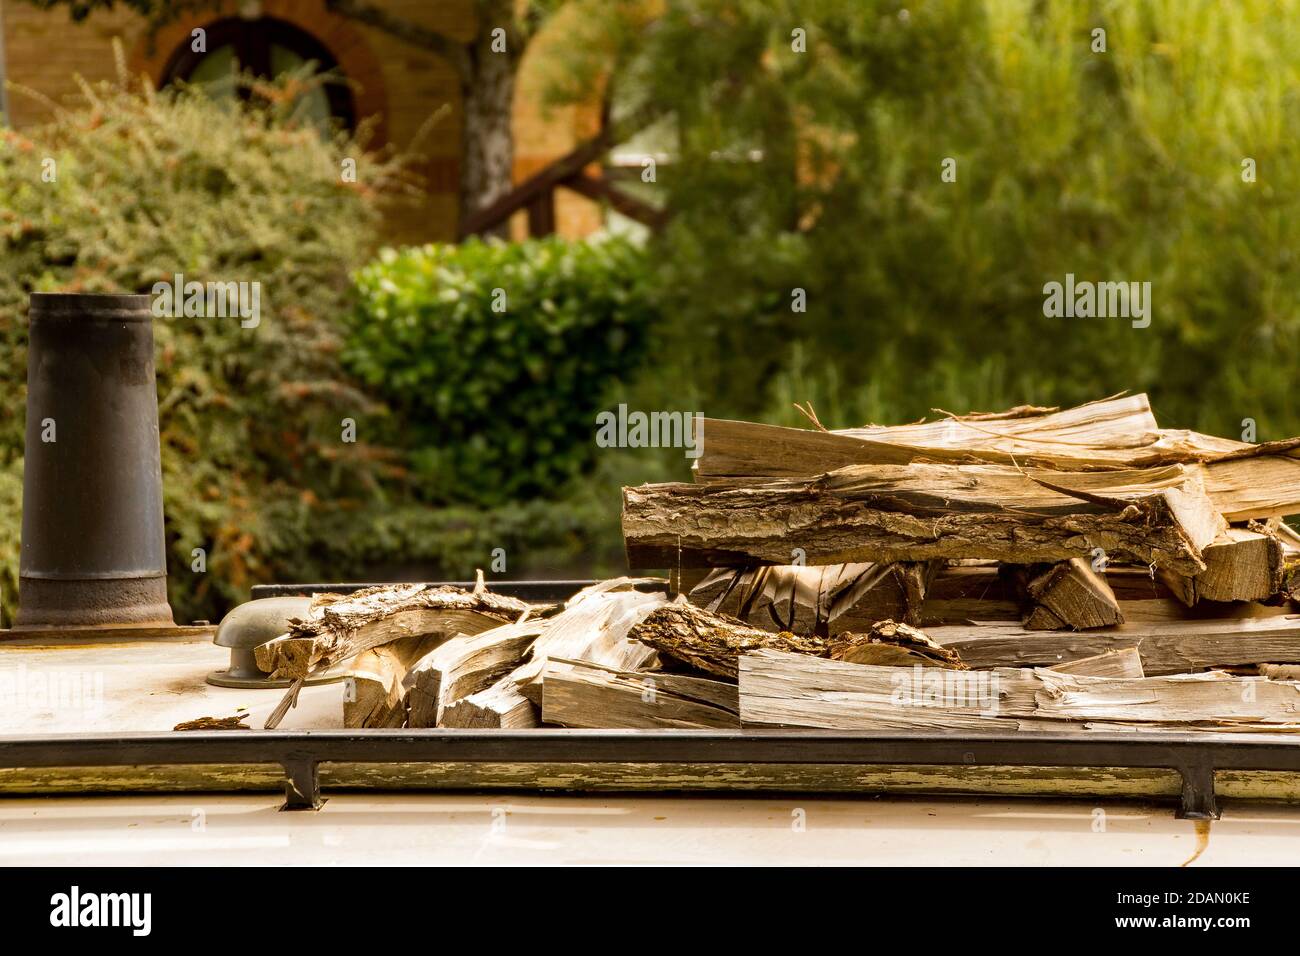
344,627
888,643
1157,517
714,643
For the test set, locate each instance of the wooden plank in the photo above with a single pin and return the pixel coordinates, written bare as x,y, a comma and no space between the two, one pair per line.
886,513
1104,433
581,694
1125,663
1165,648
600,189
778,689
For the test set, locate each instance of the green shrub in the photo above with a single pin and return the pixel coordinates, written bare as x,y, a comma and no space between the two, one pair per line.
148,185
496,357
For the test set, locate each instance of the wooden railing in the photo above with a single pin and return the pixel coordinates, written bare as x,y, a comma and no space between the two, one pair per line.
536,194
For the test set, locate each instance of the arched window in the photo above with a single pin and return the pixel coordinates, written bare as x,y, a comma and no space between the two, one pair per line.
266,47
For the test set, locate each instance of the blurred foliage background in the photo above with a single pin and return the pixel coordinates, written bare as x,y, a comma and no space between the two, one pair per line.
1118,165
814,169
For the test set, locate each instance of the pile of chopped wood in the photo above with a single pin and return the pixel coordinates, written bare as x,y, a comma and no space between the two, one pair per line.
1036,569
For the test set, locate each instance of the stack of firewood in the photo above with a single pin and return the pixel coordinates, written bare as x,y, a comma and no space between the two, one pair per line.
1033,569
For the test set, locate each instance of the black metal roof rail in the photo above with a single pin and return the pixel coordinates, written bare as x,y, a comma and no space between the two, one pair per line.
1194,756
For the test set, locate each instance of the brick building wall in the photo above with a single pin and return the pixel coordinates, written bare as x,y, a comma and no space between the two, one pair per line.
397,83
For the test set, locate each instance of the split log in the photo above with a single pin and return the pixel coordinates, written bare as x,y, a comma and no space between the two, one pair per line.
1106,433
1261,486
463,666
582,694
1171,610
794,690
1125,663
1241,565
1244,481
338,628
827,599
343,628
593,627
374,694
1145,599
498,707
1071,596
980,593
779,689
920,512
1165,648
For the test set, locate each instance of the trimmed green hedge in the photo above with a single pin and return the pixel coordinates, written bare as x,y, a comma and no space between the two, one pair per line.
495,358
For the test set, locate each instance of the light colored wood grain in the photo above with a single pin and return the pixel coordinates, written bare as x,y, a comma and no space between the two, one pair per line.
1166,648
374,695
593,626
793,690
1125,663
581,694
465,665
1072,596
1240,565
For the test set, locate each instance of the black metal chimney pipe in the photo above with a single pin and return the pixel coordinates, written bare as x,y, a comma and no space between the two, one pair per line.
93,552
